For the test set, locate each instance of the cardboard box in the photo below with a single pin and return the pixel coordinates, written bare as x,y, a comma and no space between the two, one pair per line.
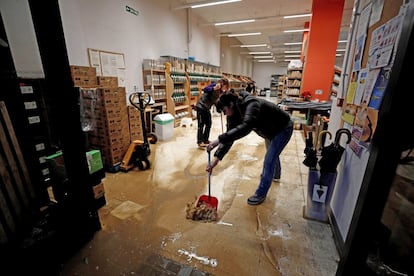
57,163
98,190
94,161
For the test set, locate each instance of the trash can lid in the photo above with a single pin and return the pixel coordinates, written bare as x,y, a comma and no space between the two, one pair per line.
164,118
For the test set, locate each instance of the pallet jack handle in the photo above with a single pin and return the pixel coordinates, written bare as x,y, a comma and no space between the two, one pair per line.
141,100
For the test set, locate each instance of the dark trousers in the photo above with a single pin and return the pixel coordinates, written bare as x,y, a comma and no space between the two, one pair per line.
204,124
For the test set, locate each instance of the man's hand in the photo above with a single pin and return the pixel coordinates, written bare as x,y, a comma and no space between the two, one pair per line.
211,166
212,145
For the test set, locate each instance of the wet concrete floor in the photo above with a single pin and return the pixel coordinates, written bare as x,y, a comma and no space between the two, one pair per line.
145,230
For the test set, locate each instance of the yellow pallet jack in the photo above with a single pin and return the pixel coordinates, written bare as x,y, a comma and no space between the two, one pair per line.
138,151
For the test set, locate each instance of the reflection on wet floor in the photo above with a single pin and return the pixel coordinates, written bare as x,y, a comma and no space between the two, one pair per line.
145,230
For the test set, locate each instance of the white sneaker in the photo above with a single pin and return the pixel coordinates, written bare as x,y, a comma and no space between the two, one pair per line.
276,179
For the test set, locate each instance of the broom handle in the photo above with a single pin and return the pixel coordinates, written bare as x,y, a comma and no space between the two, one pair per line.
209,175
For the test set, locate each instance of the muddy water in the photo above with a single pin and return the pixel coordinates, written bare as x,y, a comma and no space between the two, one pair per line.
145,214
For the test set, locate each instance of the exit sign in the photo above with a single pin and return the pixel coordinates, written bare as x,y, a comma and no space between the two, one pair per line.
131,10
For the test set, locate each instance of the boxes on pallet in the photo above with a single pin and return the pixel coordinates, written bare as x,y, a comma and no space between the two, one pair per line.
164,126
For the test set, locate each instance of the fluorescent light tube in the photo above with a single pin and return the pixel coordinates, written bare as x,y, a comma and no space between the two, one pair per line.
234,22
292,56
253,45
243,34
206,4
297,15
258,53
293,43
263,57
292,51
266,60
296,31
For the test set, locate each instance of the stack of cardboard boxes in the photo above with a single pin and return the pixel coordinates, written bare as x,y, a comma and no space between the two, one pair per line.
110,124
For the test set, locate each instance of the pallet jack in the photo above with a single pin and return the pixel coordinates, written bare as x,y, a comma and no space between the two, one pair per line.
138,151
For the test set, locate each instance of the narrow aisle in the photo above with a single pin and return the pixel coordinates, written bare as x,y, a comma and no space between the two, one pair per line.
145,230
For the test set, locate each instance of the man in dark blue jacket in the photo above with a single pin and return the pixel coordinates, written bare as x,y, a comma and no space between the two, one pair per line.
209,98
246,113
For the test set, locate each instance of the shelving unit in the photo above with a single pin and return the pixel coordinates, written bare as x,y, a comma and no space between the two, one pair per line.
274,86
176,84
153,75
293,83
199,76
237,82
335,81
177,89
281,85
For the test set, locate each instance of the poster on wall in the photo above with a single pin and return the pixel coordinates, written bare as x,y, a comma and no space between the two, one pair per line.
111,62
379,88
94,60
382,42
363,129
359,50
108,64
359,92
369,85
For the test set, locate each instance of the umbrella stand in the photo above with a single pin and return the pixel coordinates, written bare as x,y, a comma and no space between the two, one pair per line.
320,189
321,183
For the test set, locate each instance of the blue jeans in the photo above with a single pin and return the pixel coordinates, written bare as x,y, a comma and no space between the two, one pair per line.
271,163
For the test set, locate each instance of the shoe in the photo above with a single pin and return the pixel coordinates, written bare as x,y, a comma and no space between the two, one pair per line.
276,179
256,200
202,145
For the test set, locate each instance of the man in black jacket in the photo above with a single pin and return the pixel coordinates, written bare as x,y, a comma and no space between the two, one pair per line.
246,113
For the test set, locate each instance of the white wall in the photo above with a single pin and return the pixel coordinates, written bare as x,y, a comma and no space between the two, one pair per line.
157,30
106,25
232,60
263,71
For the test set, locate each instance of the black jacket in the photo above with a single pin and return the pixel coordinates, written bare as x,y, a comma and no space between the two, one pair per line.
252,113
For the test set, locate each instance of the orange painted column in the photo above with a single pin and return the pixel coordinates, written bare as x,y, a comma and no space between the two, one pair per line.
322,42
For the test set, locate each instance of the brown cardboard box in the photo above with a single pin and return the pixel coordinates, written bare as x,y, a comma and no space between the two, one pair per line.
98,190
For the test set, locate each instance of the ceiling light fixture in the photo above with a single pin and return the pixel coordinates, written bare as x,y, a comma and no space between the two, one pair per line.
292,56
243,34
293,52
342,41
253,45
296,31
297,15
340,50
266,60
263,57
234,22
207,4
259,53
293,43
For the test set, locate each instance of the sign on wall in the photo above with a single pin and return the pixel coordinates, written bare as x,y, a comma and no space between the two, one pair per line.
108,64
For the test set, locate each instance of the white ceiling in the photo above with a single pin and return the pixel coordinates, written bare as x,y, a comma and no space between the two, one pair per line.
269,21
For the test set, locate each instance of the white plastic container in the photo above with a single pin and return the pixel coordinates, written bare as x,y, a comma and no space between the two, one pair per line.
164,126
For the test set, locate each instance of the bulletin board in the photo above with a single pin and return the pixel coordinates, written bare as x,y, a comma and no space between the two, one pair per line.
375,40
108,64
